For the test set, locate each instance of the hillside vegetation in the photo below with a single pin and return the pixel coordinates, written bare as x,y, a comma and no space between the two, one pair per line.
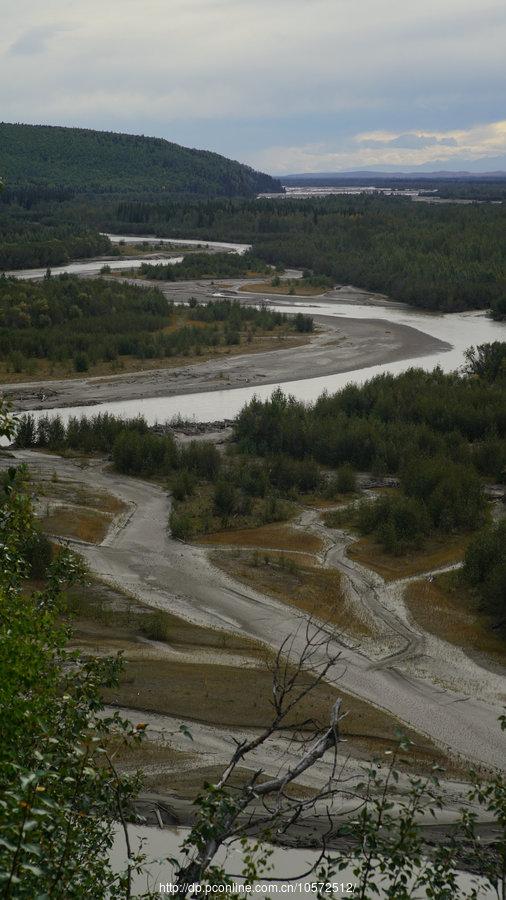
25,244
439,257
102,161
66,323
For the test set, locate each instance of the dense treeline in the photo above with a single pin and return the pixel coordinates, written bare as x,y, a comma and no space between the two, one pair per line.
440,433
384,422
32,245
498,309
438,256
102,161
482,190
90,321
437,495
485,571
209,490
206,265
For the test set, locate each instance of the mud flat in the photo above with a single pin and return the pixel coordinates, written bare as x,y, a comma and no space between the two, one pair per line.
341,344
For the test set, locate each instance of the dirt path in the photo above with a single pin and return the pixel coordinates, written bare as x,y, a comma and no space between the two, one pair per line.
398,641
141,558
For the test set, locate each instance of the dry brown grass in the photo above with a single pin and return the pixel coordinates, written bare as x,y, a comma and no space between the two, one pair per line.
230,696
436,554
103,613
149,752
75,493
265,287
326,505
78,523
277,536
312,589
218,693
446,608
186,783
215,694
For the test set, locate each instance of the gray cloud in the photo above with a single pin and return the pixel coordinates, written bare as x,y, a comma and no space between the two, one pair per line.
253,78
412,141
35,40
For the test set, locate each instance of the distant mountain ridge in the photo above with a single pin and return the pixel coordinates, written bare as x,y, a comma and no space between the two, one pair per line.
85,160
386,173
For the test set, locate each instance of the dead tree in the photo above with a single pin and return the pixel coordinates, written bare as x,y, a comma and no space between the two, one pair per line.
228,812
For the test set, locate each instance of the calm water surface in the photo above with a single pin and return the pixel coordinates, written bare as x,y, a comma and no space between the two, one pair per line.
461,330
286,865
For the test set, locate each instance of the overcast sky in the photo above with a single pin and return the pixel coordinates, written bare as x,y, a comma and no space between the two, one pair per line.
285,85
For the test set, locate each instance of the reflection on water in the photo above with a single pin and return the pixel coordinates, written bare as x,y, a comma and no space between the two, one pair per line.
92,268
286,866
194,242
461,330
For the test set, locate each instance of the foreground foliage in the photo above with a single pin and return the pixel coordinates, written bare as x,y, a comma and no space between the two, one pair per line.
60,791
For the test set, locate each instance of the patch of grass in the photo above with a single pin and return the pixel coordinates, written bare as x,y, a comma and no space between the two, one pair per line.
187,783
149,752
294,286
73,522
230,696
101,611
77,494
213,693
338,518
446,608
436,553
277,536
317,501
203,522
312,589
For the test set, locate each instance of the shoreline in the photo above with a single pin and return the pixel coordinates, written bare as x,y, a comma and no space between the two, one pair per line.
341,345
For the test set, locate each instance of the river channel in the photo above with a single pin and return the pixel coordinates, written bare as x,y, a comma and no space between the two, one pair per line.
459,330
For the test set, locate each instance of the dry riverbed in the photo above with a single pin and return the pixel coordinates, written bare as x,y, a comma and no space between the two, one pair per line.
198,640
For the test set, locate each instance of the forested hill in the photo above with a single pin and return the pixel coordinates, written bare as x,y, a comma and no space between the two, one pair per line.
83,160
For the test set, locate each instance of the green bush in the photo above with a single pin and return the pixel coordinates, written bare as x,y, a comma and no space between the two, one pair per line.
344,482
485,570
183,485
81,362
39,553
181,526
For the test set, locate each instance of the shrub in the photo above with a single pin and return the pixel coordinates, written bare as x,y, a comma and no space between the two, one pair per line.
224,498
38,553
183,485
344,482
81,362
181,526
